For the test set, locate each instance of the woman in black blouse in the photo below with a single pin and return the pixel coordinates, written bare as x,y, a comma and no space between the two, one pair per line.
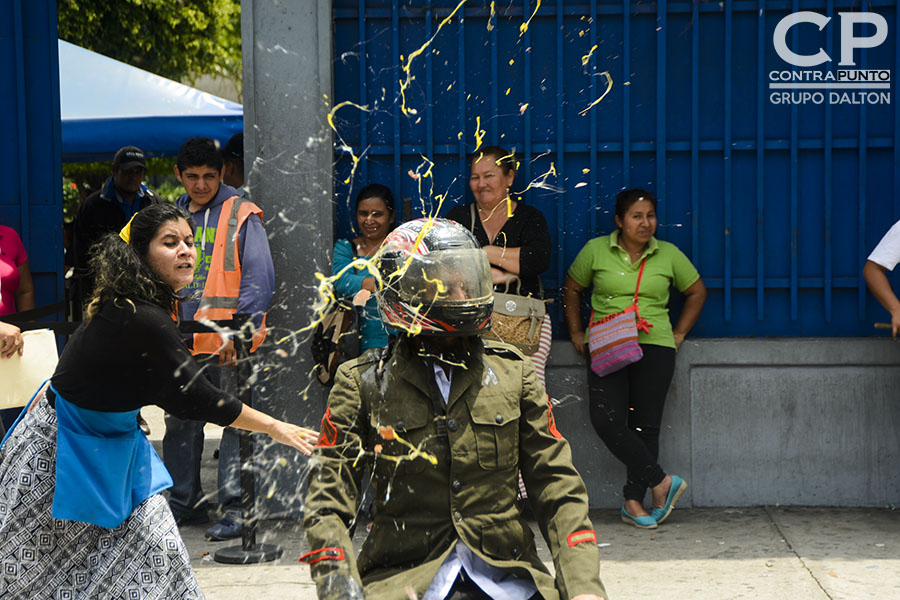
514,235
77,454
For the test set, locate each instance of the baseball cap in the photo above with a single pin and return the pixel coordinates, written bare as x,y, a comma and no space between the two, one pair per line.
129,157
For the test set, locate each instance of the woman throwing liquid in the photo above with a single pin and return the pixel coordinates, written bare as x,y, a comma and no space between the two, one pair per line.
627,405
77,470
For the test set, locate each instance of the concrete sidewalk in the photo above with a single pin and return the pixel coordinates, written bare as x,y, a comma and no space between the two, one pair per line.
699,554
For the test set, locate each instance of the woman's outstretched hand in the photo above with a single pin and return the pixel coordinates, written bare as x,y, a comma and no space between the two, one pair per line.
301,438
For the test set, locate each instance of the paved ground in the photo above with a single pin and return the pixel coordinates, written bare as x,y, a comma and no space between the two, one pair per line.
711,553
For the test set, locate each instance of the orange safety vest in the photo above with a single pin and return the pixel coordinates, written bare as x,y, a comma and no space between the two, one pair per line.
223,282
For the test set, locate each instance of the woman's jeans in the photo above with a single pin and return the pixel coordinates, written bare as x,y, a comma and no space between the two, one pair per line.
182,449
626,412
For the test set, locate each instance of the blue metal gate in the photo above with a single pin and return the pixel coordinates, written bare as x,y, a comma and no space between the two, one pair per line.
30,147
777,204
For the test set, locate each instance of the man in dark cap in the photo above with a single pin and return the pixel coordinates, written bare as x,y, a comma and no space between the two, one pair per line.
106,210
233,157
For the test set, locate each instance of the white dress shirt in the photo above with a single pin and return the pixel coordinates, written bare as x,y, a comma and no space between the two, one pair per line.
493,581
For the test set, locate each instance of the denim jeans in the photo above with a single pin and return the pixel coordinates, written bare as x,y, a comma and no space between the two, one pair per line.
182,449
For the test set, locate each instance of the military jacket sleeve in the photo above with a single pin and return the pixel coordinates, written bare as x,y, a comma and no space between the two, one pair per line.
333,485
557,493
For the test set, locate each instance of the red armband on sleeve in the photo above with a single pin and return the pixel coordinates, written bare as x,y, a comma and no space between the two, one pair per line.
328,433
580,537
552,420
321,554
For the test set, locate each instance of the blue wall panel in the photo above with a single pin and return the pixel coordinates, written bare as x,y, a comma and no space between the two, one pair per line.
30,147
777,205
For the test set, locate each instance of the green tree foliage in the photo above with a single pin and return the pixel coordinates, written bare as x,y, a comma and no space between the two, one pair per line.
178,39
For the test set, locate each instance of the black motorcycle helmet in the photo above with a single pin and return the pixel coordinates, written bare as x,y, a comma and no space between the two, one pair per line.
436,280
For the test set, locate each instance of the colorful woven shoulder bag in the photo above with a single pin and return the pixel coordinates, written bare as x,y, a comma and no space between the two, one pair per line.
613,340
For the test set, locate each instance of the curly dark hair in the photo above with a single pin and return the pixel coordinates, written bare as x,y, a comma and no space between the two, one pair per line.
121,269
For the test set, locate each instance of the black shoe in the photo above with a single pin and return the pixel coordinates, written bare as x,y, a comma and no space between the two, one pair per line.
226,529
192,518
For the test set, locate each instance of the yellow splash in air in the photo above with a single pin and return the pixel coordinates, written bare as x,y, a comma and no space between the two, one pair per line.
344,145
609,84
587,57
524,26
479,133
404,83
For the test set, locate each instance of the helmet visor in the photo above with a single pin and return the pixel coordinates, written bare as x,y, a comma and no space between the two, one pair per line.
447,277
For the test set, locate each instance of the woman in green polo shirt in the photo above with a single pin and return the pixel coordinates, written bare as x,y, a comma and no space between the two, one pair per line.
627,405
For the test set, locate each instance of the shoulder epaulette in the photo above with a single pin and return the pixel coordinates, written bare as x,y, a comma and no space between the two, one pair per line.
496,348
364,360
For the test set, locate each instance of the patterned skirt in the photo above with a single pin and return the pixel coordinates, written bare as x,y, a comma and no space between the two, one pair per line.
42,557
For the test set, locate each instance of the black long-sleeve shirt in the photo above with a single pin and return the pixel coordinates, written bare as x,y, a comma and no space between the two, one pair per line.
526,230
131,354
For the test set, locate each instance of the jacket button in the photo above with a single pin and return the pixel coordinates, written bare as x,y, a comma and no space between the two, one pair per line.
401,426
499,419
452,425
456,485
457,517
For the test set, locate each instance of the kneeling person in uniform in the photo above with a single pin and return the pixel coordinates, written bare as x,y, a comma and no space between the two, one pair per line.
444,421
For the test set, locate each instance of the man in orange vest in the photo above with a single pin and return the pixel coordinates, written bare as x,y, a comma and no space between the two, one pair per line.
234,274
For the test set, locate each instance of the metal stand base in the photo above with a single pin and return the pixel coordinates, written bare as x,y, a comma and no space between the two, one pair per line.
236,555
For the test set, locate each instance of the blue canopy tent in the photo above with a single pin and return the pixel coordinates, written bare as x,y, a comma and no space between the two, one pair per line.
106,104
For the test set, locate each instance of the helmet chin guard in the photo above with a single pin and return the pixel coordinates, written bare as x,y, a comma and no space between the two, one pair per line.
436,280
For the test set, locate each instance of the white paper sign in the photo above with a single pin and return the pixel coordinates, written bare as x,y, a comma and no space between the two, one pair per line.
20,376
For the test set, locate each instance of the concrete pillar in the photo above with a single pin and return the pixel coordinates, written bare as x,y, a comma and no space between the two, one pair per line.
287,48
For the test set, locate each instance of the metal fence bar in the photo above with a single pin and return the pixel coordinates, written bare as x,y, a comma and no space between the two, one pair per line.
496,83
761,40
649,146
395,44
827,161
363,98
626,94
661,37
728,167
863,191
577,9
24,227
592,165
794,185
461,95
526,39
560,136
429,101
695,137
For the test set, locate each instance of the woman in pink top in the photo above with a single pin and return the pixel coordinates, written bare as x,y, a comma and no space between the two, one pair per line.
16,287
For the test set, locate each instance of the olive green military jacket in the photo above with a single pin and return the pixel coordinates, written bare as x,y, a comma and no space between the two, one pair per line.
440,478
